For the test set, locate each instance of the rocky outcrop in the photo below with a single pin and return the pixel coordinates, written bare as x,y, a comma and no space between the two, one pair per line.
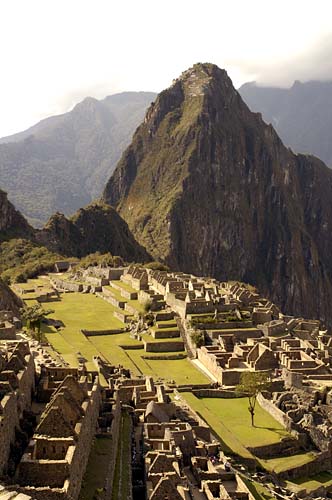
209,188
8,300
95,228
12,222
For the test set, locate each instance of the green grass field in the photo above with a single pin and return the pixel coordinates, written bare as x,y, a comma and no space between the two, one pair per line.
87,311
311,483
234,419
284,463
125,286
97,468
133,303
79,311
230,420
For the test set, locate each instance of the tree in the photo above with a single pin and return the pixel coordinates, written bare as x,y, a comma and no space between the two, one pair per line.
198,337
34,315
147,305
251,384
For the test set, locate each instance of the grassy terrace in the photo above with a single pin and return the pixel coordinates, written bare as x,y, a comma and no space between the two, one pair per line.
125,286
230,420
133,303
97,468
284,463
121,482
87,311
156,341
234,427
311,483
79,311
32,283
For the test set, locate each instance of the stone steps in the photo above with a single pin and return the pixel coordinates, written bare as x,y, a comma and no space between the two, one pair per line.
171,324
164,316
165,334
163,346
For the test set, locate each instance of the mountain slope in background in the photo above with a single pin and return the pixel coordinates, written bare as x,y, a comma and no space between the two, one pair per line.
61,163
12,222
302,115
95,228
209,188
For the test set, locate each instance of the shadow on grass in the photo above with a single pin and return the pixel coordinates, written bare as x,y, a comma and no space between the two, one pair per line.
324,477
280,432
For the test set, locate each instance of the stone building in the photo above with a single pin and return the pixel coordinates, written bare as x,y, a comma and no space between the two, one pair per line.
56,458
17,382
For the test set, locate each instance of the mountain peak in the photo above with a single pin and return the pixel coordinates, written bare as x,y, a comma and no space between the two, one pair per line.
200,76
209,188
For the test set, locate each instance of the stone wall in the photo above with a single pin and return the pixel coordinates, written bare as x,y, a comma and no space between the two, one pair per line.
15,402
321,463
115,432
80,456
163,346
286,447
66,285
92,333
64,475
215,393
275,412
124,317
7,331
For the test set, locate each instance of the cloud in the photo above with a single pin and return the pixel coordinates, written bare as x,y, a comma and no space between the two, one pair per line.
312,63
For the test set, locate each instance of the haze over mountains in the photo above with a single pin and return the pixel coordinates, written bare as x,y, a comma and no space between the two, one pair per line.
61,163
302,114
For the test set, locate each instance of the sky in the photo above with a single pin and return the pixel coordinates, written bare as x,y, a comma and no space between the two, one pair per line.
56,52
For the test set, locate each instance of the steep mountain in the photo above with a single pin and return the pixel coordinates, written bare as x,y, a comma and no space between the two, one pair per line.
208,187
12,222
95,228
61,163
301,114
25,251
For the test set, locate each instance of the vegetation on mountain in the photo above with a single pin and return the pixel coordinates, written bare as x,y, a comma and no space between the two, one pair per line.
63,161
95,228
301,114
101,259
157,266
207,187
21,259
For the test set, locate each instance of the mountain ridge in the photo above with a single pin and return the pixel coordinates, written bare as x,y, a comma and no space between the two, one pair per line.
301,114
61,162
94,228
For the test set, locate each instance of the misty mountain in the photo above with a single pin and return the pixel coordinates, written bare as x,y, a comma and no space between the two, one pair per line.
302,114
60,164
